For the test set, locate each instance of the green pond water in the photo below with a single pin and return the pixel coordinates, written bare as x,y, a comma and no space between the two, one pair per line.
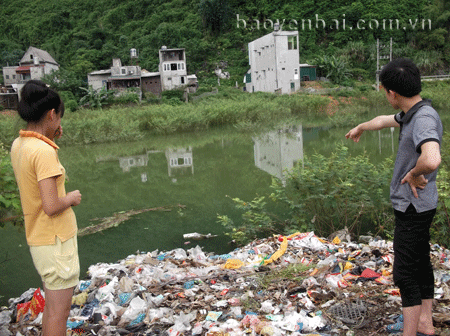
197,171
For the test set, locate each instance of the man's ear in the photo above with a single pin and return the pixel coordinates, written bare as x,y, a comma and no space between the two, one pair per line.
392,93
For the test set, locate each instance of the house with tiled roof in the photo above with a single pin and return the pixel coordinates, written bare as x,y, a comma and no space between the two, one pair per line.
34,64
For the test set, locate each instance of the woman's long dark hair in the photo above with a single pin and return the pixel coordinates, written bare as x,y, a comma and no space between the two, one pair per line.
36,99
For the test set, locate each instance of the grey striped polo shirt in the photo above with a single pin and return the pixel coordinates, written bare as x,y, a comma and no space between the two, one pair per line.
419,125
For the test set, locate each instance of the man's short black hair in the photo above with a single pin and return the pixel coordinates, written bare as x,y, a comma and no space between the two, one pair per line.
402,76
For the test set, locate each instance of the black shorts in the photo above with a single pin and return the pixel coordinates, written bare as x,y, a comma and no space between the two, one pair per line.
413,272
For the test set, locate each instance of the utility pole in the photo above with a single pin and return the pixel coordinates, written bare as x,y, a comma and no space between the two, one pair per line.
382,54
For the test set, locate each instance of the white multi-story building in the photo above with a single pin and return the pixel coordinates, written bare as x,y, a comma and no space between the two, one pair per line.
274,63
172,67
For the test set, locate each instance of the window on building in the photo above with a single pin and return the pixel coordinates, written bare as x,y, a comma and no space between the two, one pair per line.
292,42
173,66
123,71
14,76
182,80
7,76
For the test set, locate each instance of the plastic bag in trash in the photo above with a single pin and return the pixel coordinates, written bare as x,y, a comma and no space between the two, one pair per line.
33,307
105,293
25,297
137,306
198,328
88,309
179,254
267,307
137,320
183,321
125,298
83,285
213,316
336,281
197,254
309,240
109,308
5,317
126,285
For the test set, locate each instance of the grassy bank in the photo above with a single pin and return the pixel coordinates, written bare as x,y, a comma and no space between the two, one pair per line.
230,107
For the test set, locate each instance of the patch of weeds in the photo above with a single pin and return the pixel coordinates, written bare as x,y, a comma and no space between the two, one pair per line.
250,304
293,272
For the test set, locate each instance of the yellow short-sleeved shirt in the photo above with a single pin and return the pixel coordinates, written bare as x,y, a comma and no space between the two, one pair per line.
34,158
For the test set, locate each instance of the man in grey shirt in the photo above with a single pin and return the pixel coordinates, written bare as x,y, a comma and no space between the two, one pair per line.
413,189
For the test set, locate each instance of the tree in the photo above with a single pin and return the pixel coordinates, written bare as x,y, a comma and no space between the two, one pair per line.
216,15
64,80
334,68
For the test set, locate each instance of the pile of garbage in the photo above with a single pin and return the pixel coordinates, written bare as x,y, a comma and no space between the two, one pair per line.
295,285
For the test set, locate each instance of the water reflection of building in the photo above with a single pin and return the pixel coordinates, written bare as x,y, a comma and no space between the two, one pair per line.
179,160
128,162
391,136
279,150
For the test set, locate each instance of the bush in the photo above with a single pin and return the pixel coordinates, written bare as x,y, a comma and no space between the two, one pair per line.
71,105
96,98
325,195
364,88
130,96
66,96
151,98
360,74
256,221
10,208
328,194
440,229
169,94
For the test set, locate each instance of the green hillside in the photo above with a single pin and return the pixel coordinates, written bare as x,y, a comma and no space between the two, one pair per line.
84,35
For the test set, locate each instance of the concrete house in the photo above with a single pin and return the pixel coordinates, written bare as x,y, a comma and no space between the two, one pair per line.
172,74
172,67
274,63
34,64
